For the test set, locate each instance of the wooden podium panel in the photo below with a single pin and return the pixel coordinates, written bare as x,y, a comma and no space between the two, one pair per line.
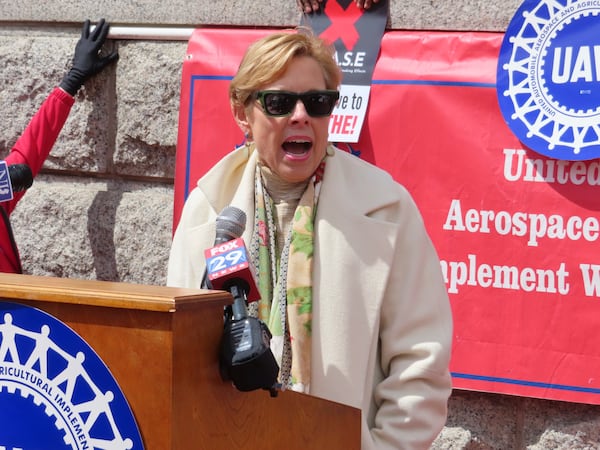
161,345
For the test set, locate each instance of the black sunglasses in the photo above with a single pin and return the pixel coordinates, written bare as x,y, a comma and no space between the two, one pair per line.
282,103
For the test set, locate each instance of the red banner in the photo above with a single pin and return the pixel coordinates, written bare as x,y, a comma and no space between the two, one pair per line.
514,230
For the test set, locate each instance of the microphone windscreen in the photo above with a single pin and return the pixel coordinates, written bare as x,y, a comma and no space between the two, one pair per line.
21,177
231,223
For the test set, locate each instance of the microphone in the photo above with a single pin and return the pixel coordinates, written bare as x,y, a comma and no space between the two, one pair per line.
227,261
14,178
245,353
21,177
231,223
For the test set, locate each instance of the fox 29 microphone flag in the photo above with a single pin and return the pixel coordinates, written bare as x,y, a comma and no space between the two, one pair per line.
228,263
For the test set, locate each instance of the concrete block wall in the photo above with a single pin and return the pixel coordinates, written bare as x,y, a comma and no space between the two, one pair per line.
102,207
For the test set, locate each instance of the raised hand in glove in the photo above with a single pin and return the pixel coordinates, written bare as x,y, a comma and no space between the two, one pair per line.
87,60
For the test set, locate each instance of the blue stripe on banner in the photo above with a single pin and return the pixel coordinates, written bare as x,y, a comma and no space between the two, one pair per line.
436,83
560,387
188,150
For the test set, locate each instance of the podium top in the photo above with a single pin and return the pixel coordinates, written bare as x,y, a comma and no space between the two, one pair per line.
106,293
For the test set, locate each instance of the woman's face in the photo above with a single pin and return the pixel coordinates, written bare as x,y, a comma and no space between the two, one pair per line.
291,146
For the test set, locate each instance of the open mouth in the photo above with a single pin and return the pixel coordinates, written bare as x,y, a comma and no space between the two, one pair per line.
297,147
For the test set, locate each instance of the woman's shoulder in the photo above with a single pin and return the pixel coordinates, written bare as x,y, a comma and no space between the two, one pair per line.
368,173
357,163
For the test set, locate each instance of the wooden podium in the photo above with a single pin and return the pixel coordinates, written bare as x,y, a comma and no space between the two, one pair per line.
161,345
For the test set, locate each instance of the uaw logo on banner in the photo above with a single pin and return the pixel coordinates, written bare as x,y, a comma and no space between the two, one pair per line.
548,77
55,392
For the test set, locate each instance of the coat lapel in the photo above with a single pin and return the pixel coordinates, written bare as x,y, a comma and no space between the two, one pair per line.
232,184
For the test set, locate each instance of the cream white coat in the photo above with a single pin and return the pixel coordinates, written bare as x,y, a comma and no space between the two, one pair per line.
382,326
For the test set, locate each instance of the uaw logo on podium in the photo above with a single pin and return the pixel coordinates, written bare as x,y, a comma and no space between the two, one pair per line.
55,392
548,77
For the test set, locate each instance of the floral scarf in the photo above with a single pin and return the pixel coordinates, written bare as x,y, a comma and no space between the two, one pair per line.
285,285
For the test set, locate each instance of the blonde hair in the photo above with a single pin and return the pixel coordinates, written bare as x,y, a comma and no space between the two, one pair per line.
267,59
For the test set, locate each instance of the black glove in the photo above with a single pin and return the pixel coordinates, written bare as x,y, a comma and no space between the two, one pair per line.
86,60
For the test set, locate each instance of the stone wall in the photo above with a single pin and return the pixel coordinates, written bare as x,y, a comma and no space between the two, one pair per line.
102,208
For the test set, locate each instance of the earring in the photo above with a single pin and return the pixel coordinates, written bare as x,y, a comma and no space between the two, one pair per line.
248,140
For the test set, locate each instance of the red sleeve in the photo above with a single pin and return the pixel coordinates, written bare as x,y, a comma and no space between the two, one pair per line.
34,145
38,138
32,148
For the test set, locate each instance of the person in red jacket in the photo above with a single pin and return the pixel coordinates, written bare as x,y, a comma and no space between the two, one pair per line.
38,138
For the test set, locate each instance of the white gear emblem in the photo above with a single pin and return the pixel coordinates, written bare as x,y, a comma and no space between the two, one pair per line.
548,77
35,367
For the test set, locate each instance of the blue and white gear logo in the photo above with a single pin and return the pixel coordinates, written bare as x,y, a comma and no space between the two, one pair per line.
548,77
55,392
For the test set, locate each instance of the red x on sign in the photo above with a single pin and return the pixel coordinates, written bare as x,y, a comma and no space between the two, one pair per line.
343,24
